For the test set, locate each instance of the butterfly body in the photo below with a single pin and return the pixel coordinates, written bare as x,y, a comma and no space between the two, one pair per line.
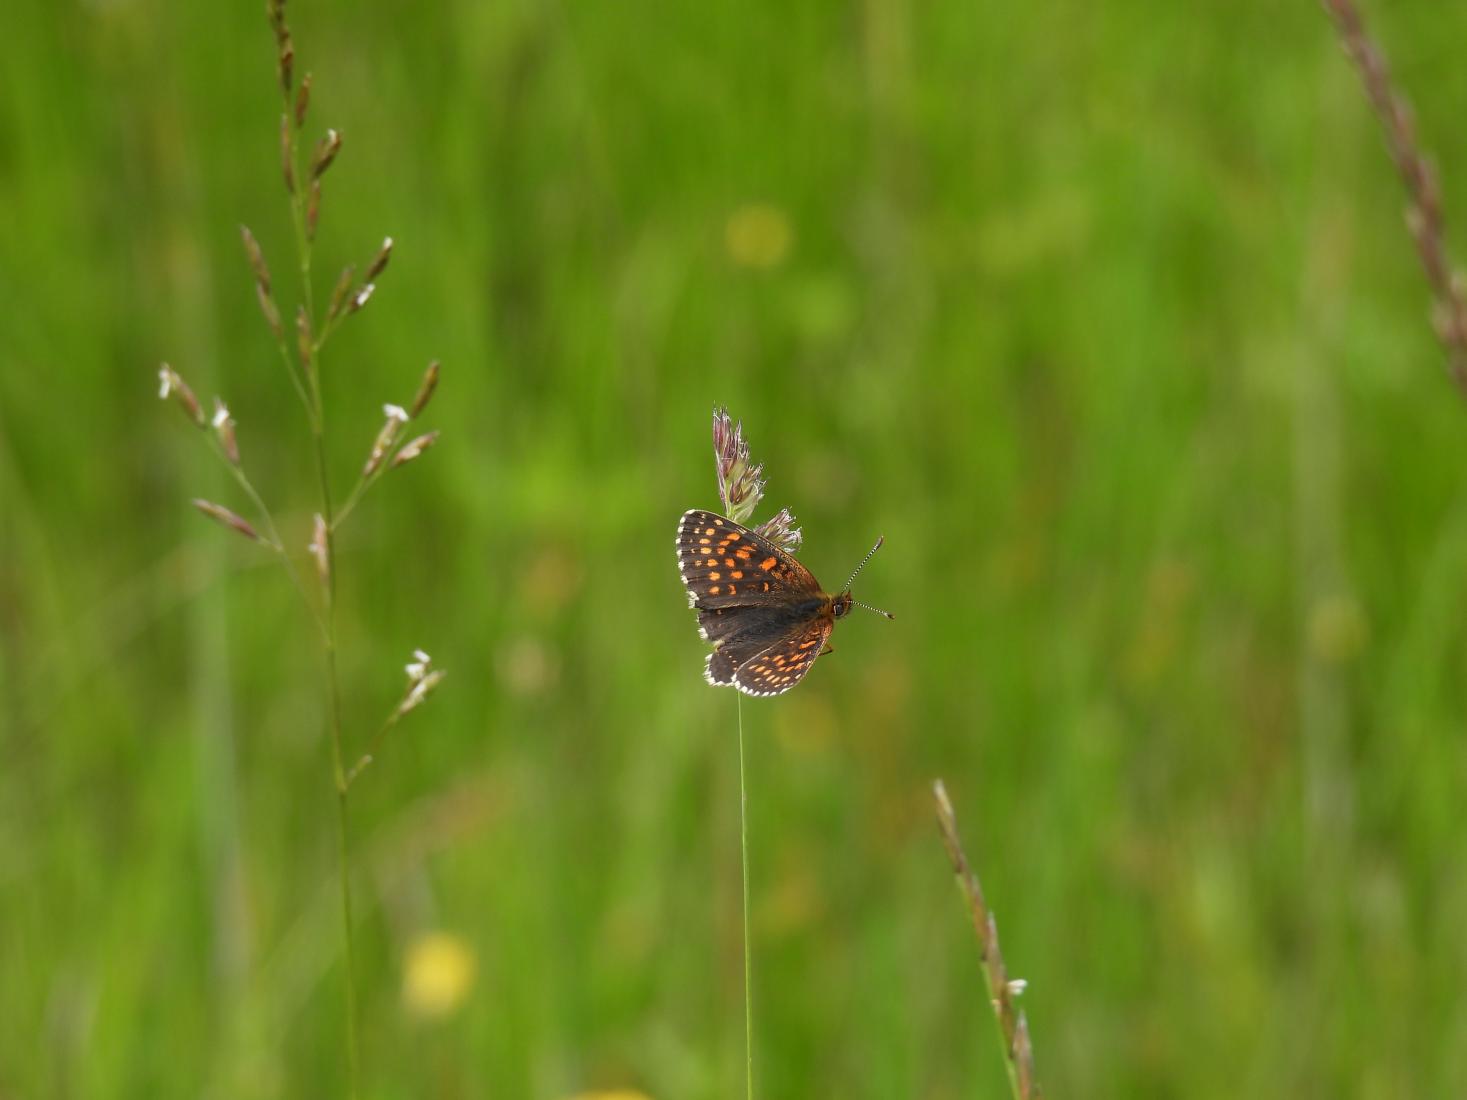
766,615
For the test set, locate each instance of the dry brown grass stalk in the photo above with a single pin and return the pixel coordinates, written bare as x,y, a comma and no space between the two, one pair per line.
1424,215
1002,990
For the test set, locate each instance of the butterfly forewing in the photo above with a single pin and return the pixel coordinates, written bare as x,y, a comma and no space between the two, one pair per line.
724,564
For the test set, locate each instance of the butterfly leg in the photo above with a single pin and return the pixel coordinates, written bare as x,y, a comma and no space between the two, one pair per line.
828,649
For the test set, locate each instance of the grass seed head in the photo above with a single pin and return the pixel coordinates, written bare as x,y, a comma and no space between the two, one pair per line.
413,448
256,257
223,424
340,291
270,310
303,341
379,261
303,101
313,210
386,438
171,385
220,514
740,484
287,64
425,390
325,153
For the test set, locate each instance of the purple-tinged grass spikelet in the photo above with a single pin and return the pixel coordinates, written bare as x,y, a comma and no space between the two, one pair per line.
287,155
223,424
780,529
171,385
232,520
740,484
303,101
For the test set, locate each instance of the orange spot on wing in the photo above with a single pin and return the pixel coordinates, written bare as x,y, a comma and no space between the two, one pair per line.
714,576
743,553
737,574
767,564
728,562
713,591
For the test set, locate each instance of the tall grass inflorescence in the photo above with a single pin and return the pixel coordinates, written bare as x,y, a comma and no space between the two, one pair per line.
1013,1027
1424,215
301,341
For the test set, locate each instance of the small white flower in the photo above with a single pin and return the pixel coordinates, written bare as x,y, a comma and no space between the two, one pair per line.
395,412
418,669
1017,987
362,295
221,413
165,376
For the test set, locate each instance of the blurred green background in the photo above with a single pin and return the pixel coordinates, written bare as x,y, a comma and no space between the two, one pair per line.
1102,314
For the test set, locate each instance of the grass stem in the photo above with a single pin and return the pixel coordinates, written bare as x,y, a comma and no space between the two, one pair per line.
748,964
312,373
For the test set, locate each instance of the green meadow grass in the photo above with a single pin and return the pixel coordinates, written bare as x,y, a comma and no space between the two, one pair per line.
1103,315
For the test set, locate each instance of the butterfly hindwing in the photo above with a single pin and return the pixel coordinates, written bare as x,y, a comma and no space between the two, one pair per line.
739,633
781,666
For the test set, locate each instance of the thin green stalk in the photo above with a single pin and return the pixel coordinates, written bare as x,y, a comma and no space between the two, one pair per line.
337,755
312,373
339,772
748,966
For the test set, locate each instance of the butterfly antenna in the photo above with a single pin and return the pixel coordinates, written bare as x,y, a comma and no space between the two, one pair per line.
857,570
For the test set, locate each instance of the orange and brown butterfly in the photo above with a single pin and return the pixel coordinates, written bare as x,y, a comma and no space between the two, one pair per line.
765,613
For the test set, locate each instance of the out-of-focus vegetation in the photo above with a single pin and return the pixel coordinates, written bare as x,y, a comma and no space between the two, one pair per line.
1102,314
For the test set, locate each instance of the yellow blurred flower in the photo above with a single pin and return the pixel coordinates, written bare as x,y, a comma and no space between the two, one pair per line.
758,235
438,974
1338,629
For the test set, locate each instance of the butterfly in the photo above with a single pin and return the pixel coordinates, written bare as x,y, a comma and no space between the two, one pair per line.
765,613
